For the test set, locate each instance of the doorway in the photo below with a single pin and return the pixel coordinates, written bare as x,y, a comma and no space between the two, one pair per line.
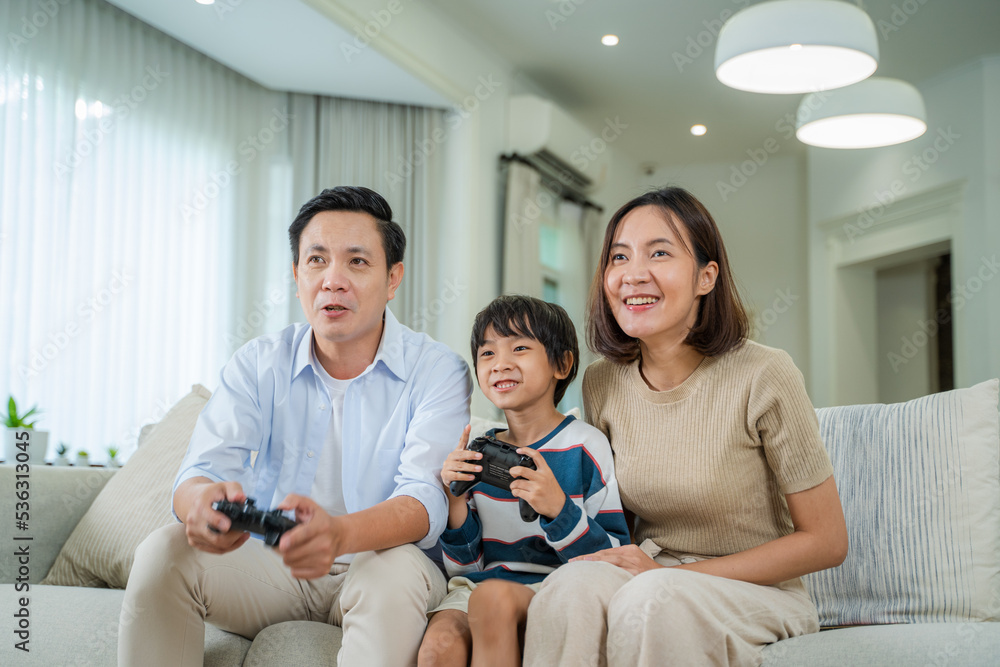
914,329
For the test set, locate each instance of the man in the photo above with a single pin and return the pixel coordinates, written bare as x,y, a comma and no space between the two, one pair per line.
349,418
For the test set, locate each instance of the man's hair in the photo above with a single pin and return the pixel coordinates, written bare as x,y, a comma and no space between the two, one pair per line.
548,323
722,322
356,199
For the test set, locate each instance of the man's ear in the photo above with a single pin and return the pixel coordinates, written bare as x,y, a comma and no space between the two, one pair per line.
567,363
707,276
395,278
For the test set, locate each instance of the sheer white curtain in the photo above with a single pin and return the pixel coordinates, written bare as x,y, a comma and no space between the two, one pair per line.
521,245
396,150
136,183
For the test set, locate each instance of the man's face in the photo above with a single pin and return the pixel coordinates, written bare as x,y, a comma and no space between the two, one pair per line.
342,279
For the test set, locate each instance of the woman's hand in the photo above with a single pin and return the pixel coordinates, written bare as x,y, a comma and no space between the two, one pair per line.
539,486
630,558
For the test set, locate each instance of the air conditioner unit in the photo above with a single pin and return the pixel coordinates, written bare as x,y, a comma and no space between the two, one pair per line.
556,144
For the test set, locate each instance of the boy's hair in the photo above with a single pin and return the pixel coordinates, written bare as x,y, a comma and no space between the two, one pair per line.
548,323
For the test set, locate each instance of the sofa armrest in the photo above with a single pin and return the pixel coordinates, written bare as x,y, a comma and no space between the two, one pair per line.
58,498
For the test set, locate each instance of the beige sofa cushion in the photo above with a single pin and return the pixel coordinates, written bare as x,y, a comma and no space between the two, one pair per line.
134,503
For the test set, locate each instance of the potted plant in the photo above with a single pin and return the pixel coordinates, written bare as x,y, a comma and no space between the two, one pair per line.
113,457
82,458
38,441
61,459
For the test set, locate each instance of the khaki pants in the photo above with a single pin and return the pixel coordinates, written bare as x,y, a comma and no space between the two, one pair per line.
380,600
594,613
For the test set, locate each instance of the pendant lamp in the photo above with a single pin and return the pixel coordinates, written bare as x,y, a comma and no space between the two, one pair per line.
796,46
875,112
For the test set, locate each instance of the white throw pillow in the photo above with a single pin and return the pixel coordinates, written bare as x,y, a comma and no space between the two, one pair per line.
920,485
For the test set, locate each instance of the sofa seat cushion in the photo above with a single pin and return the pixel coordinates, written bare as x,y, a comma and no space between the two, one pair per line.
296,643
79,626
967,644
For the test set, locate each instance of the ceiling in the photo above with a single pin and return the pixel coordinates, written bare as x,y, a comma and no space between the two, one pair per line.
659,80
662,95
284,45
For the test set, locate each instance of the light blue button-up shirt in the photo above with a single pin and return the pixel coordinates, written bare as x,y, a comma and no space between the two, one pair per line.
402,416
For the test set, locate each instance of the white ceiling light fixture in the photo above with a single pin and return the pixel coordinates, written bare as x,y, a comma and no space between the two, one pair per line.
796,46
875,112
609,40
698,130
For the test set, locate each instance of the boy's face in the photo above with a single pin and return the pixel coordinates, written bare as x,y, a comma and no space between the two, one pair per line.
514,372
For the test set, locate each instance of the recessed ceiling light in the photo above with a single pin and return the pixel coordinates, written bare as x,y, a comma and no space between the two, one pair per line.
609,40
205,2
698,130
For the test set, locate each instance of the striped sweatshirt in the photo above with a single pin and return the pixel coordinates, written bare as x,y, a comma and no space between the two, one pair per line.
495,542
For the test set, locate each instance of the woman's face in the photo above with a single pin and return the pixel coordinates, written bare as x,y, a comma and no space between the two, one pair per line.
653,283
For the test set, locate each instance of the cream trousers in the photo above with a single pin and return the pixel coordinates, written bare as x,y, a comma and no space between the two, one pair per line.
591,613
380,600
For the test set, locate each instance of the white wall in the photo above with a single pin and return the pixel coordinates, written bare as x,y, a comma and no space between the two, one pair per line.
961,145
763,224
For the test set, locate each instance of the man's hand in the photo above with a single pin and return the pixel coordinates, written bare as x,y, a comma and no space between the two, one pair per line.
205,528
310,548
539,487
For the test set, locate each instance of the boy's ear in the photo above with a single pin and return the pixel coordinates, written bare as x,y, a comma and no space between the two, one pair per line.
562,372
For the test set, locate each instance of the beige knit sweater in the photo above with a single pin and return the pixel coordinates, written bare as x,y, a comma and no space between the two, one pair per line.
704,466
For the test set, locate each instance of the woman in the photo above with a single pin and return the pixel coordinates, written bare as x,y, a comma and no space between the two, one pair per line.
717,454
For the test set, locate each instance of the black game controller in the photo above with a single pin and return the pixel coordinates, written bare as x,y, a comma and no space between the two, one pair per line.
498,459
246,517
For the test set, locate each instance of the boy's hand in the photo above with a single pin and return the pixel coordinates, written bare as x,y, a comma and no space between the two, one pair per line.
539,487
460,463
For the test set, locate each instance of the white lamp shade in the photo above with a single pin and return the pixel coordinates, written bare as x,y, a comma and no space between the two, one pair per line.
875,112
796,46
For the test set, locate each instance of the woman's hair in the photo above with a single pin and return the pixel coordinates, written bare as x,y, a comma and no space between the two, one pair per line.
547,323
722,322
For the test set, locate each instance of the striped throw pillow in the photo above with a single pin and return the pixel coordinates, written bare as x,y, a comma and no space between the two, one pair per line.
920,486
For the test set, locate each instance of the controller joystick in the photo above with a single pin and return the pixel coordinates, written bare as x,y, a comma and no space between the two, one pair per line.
498,458
246,517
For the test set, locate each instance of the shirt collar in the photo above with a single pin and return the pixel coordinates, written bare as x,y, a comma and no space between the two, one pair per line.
390,348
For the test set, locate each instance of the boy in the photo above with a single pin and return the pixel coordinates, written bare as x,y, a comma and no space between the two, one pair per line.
525,354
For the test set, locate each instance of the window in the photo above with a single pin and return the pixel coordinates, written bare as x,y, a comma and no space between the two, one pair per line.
119,222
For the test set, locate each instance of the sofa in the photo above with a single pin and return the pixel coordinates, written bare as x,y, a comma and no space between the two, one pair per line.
919,482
